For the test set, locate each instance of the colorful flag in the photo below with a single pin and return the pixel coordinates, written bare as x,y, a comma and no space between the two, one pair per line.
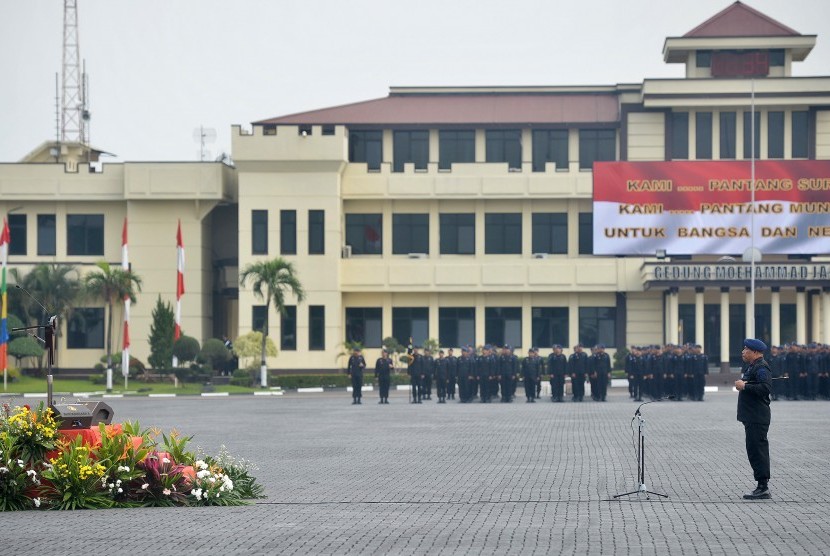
179,281
5,238
125,266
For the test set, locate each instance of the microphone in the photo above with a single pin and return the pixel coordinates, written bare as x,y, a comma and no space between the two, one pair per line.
669,397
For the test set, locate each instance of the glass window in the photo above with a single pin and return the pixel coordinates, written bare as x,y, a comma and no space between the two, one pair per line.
259,232
502,233
728,134
46,230
550,233
316,327
410,233
703,135
776,57
410,322
288,232
596,145
800,134
316,232
597,325
288,328
304,130
410,146
259,318
455,146
363,325
366,146
86,328
550,145
775,135
680,135
85,234
364,232
503,326
586,233
704,58
328,130
748,135
505,145
550,326
457,326
17,234
458,233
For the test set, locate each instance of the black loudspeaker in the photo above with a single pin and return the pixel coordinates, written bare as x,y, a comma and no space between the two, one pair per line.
82,415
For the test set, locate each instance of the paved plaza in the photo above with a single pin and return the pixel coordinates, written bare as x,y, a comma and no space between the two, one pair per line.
470,479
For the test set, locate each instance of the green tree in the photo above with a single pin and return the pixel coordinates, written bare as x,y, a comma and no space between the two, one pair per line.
110,284
23,347
250,345
271,281
214,354
186,348
161,335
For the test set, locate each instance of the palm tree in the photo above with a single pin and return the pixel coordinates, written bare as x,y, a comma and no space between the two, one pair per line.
271,281
111,284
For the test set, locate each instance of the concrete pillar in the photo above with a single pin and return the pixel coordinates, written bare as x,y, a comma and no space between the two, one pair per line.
674,312
527,324
479,320
815,314
724,330
775,316
750,313
825,315
800,316
699,319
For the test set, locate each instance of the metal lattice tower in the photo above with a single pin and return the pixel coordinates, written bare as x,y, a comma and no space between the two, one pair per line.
73,102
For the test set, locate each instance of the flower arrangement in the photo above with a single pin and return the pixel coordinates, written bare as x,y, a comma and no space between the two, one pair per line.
111,466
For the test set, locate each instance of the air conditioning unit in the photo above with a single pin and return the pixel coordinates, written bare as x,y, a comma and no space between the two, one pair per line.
540,255
346,251
417,255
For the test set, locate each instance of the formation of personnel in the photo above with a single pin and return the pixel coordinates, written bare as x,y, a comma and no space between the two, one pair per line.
806,368
671,370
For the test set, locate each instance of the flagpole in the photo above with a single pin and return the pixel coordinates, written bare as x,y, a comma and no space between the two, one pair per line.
5,238
125,266
750,316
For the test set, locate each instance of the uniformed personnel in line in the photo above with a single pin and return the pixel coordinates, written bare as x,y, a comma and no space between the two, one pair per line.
355,368
383,371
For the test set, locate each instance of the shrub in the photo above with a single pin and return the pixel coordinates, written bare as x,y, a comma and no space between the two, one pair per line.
186,349
24,347
243,377
214,354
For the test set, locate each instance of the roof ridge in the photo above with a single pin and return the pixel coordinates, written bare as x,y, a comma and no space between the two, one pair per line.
738,5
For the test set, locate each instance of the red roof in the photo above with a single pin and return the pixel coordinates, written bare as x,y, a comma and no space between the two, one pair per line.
465,108
739,20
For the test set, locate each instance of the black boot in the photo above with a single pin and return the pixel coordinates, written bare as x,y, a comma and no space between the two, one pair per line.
761,492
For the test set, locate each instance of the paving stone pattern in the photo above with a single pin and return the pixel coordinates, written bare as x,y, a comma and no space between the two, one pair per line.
470,479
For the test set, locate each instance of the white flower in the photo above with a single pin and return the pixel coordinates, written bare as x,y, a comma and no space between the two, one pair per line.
197,492
36,501
47,465
165,460
166,492
202,474
212,479
200,464
120,490
118,483
21,463
4,469
123,468
145,486
31,473
111,486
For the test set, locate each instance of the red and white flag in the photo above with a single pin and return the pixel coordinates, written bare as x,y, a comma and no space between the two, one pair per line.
125,266
179,281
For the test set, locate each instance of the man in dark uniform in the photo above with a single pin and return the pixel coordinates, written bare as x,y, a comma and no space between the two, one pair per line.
633,372
701,369
441,372
486,373
824,374
427,372
794,363
602,369
452,368
466,369
578,368
383,370
355,370
415,374
531,374
506,374
557,368
811,366
776,363
754,388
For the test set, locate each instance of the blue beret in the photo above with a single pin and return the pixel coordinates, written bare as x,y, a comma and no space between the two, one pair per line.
488,346
557,346
755,345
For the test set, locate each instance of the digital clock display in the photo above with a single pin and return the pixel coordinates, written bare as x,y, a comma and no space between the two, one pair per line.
740,64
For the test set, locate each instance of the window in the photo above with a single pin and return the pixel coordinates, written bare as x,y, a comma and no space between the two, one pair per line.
596,145
363,325
503,326
703,135
316,327
366,146
597,325
288,328
304,130
728,133
410,146
550,326
288,232
457,326
316,232
259,232
776,57
505,145
410,233
46,230
458,234
17,234
502,233
703,58
680,135
259,318
550,233
410,322
364,232
85,234
86,328
550,145
455,146
775,135
800,133
269,129
328,130
748,135
586,233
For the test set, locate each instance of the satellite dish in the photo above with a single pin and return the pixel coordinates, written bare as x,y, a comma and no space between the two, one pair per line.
203,136
752,254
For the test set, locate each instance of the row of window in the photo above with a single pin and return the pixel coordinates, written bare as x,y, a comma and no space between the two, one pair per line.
84,234
288,326
728,135
288,232
501,145
502,233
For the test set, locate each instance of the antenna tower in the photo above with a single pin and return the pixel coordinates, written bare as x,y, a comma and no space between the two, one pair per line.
74,114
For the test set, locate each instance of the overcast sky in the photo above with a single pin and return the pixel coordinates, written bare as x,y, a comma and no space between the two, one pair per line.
158,69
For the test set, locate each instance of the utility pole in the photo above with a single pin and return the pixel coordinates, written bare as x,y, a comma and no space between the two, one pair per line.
74,114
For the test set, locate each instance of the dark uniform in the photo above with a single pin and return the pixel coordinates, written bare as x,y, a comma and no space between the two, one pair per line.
427,371
754,412
452,367
601,370
383,371
355,370
508,368
486,372
776,365
557,368
578,368
442,374
415,373
701,369
531,374
633,370
467,384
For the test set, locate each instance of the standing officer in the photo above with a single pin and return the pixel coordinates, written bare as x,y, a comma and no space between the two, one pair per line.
506,374
754,389
486,372
632,372
775,365
602,369
355,370
452,367
383,370
531,373
415,373
466,371
578,368
592,377
427,372
701,369
441,371
557,368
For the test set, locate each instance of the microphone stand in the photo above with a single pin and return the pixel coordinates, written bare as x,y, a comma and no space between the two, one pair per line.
49,335
641,457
